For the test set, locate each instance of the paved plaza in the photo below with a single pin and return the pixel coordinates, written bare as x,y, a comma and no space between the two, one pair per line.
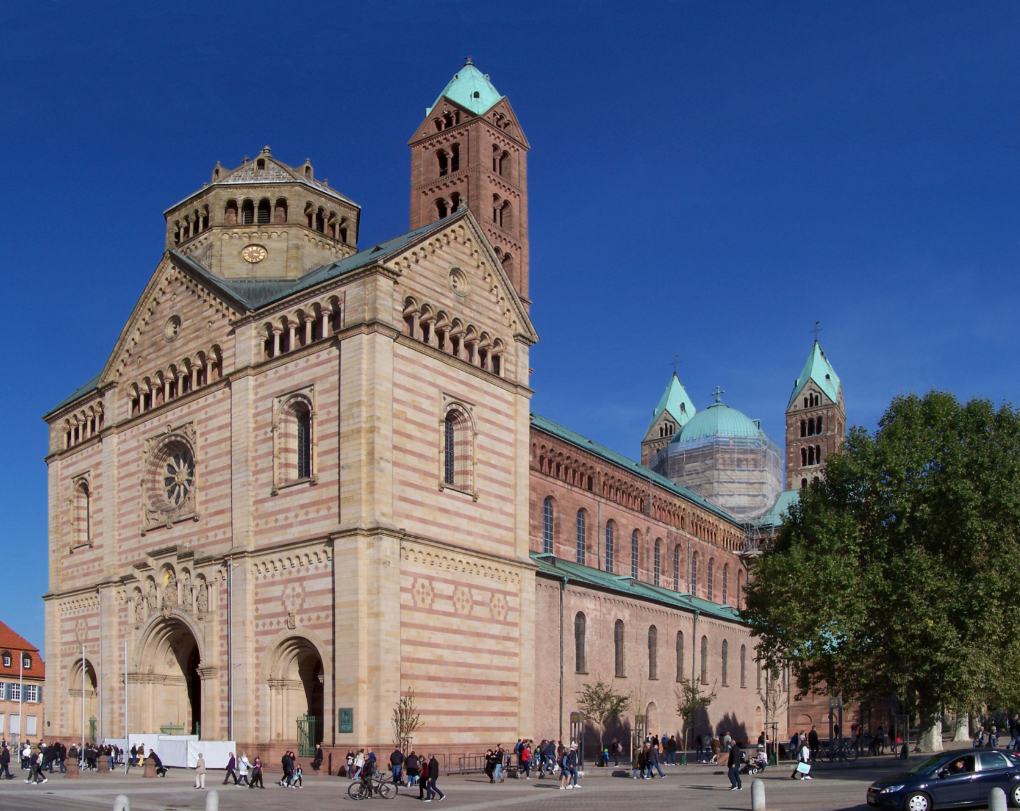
692,788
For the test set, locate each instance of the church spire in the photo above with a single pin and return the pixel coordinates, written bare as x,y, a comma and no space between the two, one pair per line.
815,419
470,151
673,412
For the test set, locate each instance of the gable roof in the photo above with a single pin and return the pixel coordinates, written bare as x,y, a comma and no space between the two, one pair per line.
77,394
621,461
471,89
778,512
15,643
551,566
820,370
676,401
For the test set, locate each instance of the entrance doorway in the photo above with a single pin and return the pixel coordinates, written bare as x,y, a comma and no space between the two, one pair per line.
298,695
172,695
90,698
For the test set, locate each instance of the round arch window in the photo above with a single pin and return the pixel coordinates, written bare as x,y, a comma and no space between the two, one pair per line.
172,478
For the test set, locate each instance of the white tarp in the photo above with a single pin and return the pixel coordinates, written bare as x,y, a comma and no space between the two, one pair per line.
181,751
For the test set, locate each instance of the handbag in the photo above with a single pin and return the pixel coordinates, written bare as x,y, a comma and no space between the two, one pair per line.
803,768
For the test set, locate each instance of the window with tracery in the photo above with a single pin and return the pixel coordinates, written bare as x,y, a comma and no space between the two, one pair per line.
581,537
457,449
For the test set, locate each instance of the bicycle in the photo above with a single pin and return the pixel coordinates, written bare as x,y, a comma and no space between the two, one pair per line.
376,785
843,750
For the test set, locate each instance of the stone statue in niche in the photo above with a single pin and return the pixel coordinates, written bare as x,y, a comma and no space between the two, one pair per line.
140,609
202,604
151,597
186,594
170,591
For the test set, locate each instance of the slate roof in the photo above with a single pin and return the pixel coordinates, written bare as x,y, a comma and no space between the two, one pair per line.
551,566
777,513
820,370
79,392
676,401
621,461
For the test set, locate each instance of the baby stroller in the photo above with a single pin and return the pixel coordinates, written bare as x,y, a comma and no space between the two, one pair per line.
758,764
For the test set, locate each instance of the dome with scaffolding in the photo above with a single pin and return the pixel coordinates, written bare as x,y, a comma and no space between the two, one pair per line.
725,458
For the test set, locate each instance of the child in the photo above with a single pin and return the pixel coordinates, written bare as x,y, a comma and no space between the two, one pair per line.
296,782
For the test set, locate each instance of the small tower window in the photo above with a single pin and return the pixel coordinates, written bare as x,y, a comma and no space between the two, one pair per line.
443,160
230,213
320,221
264,211
260,164
247,213
280,211
454,157
441,208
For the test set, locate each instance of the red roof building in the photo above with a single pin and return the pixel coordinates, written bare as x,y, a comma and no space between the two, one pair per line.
22,672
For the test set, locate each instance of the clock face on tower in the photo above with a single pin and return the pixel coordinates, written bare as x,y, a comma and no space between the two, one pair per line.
254,254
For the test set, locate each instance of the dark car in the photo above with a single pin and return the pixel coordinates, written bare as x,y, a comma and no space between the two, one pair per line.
950,780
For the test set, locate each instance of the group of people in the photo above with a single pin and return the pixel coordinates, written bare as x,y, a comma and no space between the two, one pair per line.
988,734
547,757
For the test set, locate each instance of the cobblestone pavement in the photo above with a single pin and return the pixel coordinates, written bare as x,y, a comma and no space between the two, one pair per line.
692,788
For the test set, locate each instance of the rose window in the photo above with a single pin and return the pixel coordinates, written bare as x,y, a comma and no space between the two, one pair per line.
179,476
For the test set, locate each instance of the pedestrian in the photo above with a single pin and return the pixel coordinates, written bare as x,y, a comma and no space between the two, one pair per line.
231,769
359,764
296,782
319,757
200,771
803,767
500,764
256,774
396,764
653,760
639,758
433,776
411,766
733,766
813,744
243,765
5,762
617,749
524,758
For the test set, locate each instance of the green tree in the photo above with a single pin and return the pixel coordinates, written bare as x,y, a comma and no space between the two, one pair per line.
895,574
600,703
689,702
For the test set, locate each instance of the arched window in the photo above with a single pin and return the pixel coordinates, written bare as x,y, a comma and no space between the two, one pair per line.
711,577
803,428
82,513
694,575
320,221
818,454
725,662
580,659
657,563
618,643
454,157
457,450
295,438
743,665
653,653
726,584
230,213
441,208
676,568
757,664
610,533
818,425
635,553
247,212
547,526
443,160
803,482
582,537
704,660
280,210
811,426
264,213
449,449
260,164
679,655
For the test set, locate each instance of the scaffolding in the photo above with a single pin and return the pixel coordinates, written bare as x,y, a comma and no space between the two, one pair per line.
742,475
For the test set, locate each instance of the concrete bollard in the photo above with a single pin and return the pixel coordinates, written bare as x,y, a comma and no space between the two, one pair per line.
757,795
212,801
121,803
996,800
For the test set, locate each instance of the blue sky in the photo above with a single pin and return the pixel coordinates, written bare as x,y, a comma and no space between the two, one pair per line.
706,179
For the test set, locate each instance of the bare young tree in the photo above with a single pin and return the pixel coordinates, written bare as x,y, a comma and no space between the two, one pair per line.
775,697
689,702
406,721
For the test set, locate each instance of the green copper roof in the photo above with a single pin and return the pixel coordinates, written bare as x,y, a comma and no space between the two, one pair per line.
718,420
676,402
77,394
820,370
777,514
618,459
470,88
551,566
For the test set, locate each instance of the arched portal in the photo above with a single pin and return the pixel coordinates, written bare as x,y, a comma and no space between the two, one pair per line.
90,696
297,696
171,682
652,719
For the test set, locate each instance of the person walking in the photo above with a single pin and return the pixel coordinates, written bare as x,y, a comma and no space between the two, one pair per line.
733,766
525,759
803,766
243,765
319,757
813,744
5,762
433,776
396,765
411,766
200,771
653,761
256,774
231,769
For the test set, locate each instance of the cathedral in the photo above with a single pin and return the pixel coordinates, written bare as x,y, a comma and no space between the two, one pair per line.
307,482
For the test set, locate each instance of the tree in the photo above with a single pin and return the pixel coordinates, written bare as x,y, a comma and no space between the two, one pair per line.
894,573
774,698
689,702
601,703
405,721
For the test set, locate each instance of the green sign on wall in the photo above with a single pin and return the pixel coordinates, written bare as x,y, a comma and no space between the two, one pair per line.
346,719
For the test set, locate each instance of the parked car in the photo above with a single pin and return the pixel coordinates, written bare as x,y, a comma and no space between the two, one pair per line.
950,780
